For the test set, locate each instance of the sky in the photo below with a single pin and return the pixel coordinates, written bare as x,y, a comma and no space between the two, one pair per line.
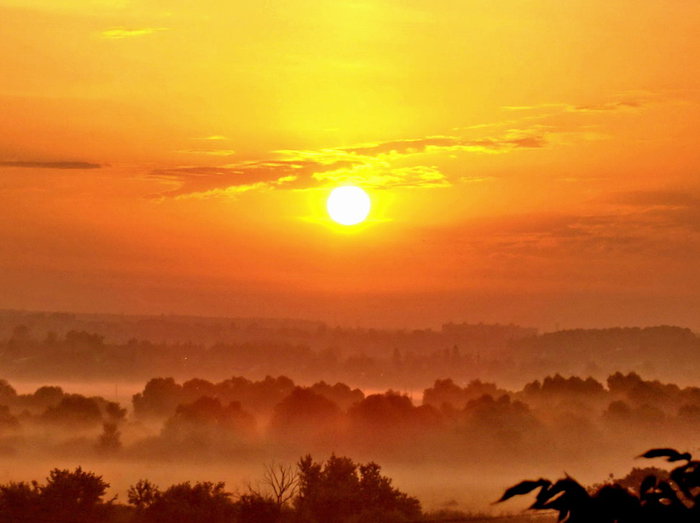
529,161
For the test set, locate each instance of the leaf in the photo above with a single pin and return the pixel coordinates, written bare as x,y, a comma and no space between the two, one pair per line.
570,486
680,476
524,487
647,484
667,493
670,454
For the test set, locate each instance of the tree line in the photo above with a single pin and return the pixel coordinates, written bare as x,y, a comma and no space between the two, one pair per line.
338,490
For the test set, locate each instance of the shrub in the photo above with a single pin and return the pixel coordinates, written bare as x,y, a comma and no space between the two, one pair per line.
658,498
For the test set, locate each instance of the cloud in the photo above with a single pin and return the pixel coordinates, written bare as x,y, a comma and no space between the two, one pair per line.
660,198
419,176
535,107
370,164
119,33
670,210
513,139
626,102
383,164
645,223
233,190
607,106
50,165
210,152
222,181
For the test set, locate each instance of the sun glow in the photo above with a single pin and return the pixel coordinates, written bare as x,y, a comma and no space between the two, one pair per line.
348,205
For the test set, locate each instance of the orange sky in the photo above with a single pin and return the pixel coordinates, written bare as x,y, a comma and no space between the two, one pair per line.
530,161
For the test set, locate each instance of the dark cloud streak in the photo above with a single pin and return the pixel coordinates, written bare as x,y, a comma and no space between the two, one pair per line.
50,165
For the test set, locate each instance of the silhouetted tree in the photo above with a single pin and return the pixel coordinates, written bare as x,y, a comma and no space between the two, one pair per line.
279,484
304,414
84,339
142,494
340,491
389,417
340,393
109,441
20,502
206,421
7,420
254,508
74,410
446,392
47,396
187,503
8,394
159,398
73,496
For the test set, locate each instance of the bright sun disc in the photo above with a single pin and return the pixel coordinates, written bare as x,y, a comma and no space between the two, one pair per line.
348,205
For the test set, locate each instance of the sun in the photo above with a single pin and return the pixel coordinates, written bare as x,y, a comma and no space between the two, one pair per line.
348,205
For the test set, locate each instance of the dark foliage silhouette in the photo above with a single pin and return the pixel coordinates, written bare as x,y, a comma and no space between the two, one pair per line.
658,499
109,441
336,491
66,497
254,508
279,485
206,421
185,503
446,392
53,345
74,411
392,411
341,491
142,494
161,396
304,415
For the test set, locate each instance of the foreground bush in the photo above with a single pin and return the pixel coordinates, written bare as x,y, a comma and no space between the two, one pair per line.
658,499
342,491
66,496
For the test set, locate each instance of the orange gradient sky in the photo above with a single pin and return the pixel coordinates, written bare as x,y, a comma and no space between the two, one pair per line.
530,161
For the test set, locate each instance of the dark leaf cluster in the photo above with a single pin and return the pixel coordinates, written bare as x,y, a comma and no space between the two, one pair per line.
658,498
